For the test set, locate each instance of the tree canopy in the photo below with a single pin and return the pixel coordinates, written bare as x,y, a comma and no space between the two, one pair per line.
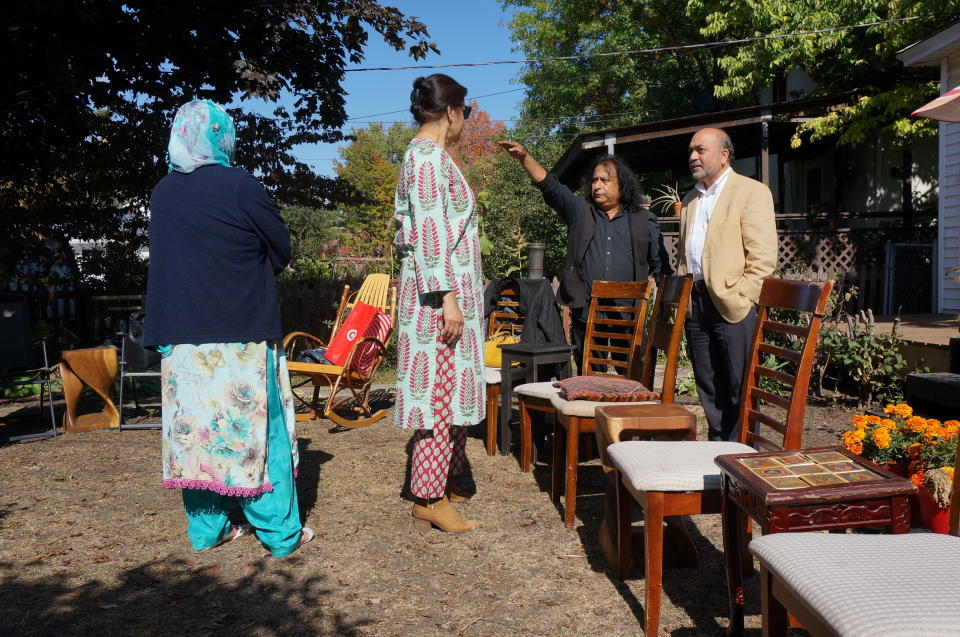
568,96
93,84
370,165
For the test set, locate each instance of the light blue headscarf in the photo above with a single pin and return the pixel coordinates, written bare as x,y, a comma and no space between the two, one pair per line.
202,134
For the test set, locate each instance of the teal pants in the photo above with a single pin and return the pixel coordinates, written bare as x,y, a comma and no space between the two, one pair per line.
276,514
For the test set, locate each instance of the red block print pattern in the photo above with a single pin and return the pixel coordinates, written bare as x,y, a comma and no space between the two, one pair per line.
430,246
427,186
439,454
435,258
418,383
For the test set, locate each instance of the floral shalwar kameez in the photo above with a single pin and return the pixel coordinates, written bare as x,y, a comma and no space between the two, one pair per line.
440,389
227,419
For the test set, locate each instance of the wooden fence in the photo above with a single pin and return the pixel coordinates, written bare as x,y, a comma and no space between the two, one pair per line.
310,306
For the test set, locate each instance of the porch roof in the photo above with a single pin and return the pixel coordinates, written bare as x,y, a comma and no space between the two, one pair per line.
929,52
656,146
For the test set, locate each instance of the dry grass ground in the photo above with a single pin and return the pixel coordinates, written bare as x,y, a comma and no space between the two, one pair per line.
91,544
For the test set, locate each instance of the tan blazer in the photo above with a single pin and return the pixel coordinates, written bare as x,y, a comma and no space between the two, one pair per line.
740,249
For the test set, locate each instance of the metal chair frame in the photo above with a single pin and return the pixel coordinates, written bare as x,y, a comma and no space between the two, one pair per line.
43,378
123,374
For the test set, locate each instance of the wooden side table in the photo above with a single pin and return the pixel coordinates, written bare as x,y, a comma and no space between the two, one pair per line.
822,489
531,357
96,368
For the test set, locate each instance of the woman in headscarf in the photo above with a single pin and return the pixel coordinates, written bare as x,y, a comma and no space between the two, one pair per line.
440,382
217,243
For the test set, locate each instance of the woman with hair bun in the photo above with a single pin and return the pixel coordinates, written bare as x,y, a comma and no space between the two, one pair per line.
440,380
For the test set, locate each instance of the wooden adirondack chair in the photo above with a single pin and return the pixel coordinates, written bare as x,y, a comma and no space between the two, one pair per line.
355,376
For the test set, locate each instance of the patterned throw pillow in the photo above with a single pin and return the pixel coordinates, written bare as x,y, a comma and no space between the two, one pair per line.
366,353
604,389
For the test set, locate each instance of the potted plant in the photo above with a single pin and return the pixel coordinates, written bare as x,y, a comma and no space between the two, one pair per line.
668,200
913,447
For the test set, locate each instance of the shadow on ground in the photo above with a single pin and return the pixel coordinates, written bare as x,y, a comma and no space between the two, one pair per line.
171,597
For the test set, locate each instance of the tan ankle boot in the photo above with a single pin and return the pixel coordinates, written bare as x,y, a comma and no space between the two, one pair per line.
440,513
455,493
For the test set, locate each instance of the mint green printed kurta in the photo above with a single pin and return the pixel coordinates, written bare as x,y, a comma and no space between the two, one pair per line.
439,249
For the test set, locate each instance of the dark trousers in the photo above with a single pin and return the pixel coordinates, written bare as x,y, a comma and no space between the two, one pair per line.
718,352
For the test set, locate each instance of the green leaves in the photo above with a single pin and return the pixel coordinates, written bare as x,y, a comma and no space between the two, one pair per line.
94,85
569,96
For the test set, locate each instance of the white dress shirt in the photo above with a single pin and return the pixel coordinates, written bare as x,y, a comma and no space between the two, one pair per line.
698,228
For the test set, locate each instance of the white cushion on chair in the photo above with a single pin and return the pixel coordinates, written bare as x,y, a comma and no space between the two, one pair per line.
537,390
587,408
492,375
672,466
890,585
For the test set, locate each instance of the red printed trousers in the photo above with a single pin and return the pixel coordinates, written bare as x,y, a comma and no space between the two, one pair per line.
440,453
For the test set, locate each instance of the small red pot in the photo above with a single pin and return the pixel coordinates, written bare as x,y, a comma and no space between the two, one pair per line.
931,515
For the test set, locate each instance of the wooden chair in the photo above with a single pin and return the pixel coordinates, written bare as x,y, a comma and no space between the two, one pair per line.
899,581
505,315
650,422
680,478
352,377
611,347
664,335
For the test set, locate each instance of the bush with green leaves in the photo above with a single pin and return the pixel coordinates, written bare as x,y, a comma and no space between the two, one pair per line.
858,359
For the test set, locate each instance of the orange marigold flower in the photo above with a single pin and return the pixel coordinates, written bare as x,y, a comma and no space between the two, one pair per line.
917,478
881,438
949,471
852,440
916,424
888,424
952,423
873,420
859,421
889,409
903,410
933,422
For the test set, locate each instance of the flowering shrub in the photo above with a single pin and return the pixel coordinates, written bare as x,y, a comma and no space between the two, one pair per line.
916,444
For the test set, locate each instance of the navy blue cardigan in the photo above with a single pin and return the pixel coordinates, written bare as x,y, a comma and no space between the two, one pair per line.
217,243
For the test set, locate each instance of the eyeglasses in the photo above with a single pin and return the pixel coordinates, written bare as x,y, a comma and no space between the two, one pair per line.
466,112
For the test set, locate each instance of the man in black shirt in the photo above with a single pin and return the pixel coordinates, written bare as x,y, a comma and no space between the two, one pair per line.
609,236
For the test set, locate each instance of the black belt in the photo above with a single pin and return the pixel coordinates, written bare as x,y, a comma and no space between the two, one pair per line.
700,285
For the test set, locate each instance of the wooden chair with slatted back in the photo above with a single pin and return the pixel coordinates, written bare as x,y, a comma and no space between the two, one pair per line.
664,335
376,291
613,340
505,316
681,478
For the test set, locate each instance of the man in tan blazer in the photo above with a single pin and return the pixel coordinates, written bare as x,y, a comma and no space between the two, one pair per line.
728,241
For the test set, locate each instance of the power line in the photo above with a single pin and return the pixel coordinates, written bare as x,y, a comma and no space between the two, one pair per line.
597,117
682,47
407,110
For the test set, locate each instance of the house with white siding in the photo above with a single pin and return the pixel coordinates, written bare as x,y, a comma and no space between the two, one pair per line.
943,50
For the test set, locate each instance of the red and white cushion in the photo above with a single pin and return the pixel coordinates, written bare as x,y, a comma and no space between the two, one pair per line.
366,353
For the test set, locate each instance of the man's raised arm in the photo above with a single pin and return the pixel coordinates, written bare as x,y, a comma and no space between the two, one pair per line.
555,194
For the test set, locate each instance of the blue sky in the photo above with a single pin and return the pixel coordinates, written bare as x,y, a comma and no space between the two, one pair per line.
472,31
